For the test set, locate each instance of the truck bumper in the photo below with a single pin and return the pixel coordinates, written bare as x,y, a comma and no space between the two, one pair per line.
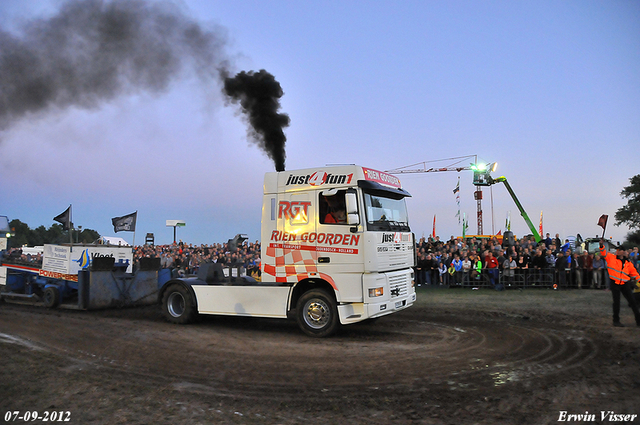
357,312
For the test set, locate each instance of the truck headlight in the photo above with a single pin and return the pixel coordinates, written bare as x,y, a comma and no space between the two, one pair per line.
376,292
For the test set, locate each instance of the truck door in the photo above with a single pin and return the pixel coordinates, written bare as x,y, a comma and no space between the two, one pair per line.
338,241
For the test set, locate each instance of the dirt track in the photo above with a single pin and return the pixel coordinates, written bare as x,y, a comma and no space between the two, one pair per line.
456,357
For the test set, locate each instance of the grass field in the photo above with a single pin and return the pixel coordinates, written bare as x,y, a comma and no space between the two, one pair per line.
594,305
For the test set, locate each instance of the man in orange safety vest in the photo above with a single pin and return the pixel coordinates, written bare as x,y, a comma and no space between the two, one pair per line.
622,279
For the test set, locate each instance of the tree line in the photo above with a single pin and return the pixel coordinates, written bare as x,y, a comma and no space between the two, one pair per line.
630,213
22,234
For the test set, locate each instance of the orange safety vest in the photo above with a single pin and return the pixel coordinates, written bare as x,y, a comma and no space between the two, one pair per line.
617,272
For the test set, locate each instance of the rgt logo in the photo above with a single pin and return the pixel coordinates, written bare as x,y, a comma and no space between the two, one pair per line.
294,210
319,178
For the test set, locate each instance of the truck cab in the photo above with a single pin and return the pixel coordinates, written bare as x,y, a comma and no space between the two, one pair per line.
336,249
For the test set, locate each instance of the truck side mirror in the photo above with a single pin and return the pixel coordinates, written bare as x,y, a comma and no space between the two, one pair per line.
352,208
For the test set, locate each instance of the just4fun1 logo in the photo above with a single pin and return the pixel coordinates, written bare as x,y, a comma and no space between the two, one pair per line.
319,178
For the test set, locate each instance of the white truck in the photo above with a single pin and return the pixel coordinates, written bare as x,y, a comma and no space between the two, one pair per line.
336,248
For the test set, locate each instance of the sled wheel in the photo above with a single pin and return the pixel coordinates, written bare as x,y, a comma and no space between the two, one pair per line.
51,297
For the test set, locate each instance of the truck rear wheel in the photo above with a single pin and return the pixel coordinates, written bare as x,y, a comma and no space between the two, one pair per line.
317,314
51,297
178,305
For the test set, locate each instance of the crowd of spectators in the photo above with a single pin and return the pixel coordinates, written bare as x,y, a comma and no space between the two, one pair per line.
456,262
474,261
478,261
185,259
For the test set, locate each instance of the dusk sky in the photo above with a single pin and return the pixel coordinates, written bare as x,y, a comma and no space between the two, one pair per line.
550,90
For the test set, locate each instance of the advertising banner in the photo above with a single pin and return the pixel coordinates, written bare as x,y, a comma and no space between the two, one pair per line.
69,260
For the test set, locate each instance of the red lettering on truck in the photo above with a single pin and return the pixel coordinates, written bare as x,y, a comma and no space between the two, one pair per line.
294,209
320,238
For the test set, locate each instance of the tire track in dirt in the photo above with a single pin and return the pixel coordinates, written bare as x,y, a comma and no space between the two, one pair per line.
263,359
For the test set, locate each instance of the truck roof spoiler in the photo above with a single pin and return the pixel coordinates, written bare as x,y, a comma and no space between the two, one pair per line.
377,188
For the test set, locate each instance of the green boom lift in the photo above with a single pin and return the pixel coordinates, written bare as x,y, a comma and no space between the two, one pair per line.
482,177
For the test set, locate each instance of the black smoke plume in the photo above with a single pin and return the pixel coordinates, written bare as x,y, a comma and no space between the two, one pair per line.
259,96
92,51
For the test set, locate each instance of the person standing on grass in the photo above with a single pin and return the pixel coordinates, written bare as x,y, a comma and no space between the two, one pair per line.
476,267
457,266
466,270
491,264
623,278
587,272
598,267
442,270
634,256
509,266
561,276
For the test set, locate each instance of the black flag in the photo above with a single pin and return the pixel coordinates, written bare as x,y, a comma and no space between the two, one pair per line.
64,219
125,223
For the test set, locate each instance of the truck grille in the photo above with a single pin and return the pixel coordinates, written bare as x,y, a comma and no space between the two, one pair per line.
399,285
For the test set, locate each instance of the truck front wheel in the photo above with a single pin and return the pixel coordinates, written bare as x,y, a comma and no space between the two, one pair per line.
317,314
178,305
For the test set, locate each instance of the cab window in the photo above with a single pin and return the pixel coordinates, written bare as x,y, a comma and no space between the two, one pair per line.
332,207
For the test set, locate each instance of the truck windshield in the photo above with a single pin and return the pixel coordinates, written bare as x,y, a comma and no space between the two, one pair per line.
385,213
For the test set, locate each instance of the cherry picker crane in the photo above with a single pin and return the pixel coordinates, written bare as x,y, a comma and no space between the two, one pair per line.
481,177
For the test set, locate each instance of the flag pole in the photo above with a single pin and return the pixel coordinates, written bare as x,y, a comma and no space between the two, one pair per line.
133,245
70,225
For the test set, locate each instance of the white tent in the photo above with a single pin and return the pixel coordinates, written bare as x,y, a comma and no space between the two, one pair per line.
112,240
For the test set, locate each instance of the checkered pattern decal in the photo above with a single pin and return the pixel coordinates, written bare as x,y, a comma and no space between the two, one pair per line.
297,262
